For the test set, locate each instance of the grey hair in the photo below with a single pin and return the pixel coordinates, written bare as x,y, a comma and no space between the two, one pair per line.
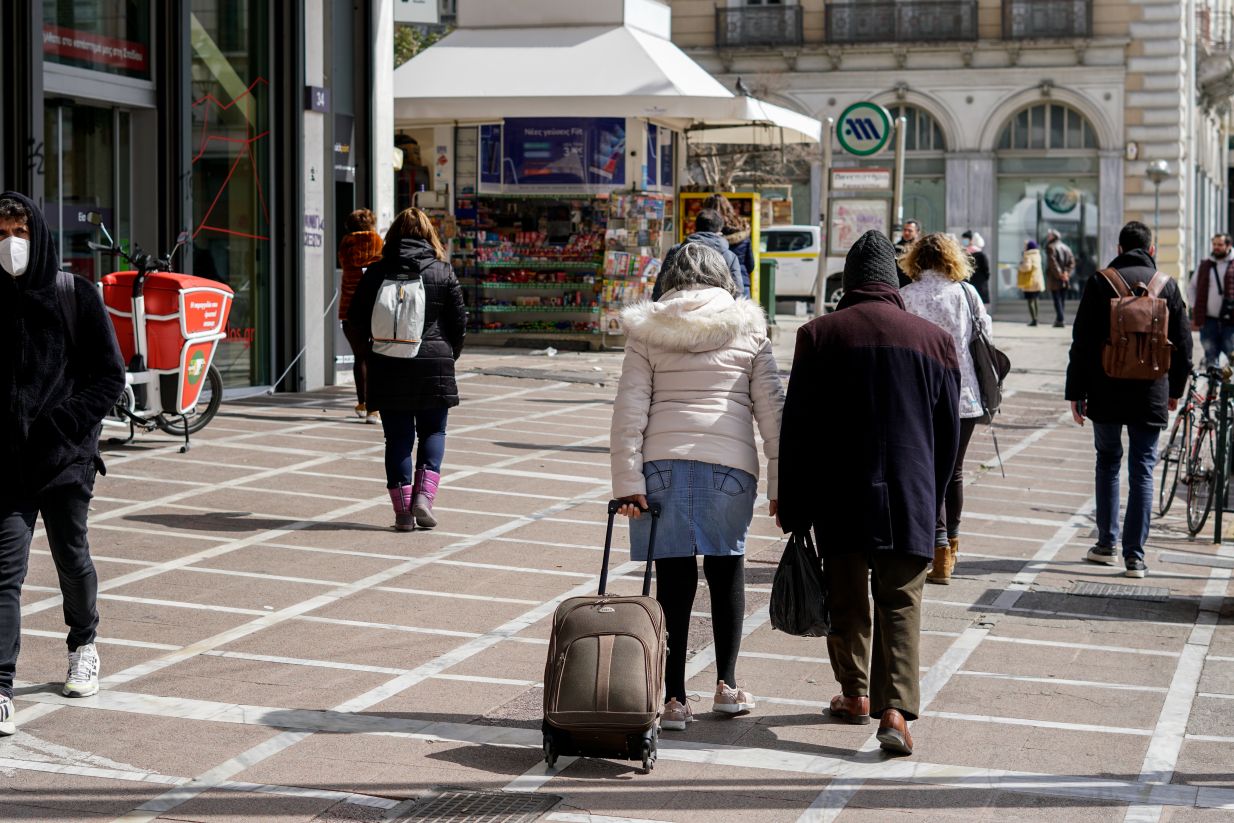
697,265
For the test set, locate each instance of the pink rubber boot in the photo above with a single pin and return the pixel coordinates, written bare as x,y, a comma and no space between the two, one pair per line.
426,493
401,499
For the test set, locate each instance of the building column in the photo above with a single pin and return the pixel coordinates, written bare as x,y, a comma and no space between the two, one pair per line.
317,176
1109,205
21,76
382,103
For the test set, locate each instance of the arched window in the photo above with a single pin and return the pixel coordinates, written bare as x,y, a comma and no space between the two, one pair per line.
921,132
1047,126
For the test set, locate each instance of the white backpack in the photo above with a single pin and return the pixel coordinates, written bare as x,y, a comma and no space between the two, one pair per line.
398,317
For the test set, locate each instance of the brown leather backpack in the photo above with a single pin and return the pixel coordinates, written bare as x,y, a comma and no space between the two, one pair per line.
1138,348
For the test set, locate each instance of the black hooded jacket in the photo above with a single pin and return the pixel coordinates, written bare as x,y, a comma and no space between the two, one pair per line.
55,393
1125,401
425,381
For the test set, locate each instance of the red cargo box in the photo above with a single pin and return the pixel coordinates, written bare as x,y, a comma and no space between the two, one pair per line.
186,316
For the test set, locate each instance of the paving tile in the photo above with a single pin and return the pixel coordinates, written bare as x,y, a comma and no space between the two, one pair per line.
149,543
222,590
345,644
44,660
1049,702
455,701
1075,664
151,623
40,797
1217,676
1205,763
276,560
226,806
419,610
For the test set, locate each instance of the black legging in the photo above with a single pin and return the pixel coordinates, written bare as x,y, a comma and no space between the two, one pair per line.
948,525
676,584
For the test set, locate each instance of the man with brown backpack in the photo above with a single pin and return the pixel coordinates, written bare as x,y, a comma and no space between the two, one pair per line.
1130,356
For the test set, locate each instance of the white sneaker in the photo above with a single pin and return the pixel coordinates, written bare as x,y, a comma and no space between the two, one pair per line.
731,701
7,712
82,679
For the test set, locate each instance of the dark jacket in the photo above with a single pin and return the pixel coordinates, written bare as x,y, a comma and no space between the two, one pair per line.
981,275
55,394
902,246
1124,401
871,426
1059,264
716,241
425,381
739,244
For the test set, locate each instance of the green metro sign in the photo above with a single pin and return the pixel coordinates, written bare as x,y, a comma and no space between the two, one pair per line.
864,129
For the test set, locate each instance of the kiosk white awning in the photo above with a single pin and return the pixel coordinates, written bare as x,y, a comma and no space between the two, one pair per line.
486,74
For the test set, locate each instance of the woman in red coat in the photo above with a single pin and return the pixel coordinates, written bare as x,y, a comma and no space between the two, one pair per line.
360,248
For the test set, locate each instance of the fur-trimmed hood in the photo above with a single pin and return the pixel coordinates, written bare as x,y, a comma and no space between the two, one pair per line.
695,320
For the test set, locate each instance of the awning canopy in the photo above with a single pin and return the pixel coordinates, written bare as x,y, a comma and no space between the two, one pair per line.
479,75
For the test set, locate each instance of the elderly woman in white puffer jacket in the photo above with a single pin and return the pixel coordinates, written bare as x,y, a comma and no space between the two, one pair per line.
698,374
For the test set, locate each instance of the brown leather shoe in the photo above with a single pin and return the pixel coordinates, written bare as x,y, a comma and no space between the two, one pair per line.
941,570
893,733
854,710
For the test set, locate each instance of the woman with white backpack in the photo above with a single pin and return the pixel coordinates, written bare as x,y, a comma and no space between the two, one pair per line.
412,306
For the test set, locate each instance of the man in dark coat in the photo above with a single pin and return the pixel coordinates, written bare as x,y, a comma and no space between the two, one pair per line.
909,234
1059,266
868,443
707,227
1142,406
60,373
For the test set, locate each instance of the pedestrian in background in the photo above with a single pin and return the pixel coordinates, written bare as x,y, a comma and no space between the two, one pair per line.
414,395
1060,264
1211,296
908,236
1141,406
698,375
981,264
60,373
738,233
1030,279
871,429
359,249
938,293
708,228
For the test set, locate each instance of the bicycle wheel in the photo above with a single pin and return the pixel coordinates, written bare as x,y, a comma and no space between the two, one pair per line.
1171,459
1202,478
199,417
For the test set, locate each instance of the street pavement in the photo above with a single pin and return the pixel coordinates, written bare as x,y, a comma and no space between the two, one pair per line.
272,650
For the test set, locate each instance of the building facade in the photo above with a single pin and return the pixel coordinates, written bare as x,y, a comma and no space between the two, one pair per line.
1022,115
253,125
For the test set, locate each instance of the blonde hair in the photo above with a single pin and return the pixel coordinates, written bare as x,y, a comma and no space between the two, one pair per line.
940,253
415,224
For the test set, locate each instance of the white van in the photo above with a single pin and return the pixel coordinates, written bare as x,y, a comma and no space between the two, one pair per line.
797,250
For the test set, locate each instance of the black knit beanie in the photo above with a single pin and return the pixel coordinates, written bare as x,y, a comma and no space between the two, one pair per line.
872,259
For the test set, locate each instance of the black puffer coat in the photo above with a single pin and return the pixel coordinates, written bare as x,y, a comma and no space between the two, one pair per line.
53,395
425,381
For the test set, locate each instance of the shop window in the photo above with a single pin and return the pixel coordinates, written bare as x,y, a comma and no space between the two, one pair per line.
109,36
922,132
232,174
1047,126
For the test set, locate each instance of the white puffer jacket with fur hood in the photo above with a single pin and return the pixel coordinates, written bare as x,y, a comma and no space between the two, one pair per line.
698,373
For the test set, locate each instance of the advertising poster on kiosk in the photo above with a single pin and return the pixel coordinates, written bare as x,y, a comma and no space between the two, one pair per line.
564,151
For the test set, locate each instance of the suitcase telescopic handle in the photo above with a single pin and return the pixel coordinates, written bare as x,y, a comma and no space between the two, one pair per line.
614,506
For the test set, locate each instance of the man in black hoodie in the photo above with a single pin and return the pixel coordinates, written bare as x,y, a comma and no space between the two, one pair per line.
707,227
1142,406
60,372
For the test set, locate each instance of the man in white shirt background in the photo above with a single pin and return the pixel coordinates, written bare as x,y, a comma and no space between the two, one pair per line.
1211,295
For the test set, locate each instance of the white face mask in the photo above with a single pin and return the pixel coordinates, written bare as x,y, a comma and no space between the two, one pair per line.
15,255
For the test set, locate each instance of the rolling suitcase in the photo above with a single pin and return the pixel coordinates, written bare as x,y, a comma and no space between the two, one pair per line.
604,679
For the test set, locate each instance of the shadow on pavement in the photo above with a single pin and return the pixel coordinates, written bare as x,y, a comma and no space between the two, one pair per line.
244,522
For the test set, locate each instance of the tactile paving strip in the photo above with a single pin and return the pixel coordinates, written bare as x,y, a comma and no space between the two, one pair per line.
1154,594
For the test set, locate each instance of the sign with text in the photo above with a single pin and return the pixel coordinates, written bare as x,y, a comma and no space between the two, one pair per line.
95,50
564,151
861,179
851,218
863,129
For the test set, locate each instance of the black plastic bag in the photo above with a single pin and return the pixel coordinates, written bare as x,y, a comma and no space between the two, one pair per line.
798,592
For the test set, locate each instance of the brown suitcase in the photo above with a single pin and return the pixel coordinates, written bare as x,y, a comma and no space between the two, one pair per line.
604,679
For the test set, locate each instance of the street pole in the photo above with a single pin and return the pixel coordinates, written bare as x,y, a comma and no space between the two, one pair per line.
820,277
897,208
1156,211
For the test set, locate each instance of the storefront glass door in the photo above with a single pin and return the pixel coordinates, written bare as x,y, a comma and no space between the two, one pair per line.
87,169
1028,207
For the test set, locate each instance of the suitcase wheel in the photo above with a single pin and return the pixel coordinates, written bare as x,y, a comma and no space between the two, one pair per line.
649,755
550,750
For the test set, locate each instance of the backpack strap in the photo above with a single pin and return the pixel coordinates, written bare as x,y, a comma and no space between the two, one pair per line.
66,291
1116,281
1158,283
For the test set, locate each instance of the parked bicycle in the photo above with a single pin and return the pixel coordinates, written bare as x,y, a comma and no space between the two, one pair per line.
1179,442
168,326
1190,456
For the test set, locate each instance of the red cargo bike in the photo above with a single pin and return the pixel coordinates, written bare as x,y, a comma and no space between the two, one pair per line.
168,326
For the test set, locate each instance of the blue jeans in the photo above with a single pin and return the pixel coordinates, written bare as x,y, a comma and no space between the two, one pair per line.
401,428
1141,460
707,509
1216,338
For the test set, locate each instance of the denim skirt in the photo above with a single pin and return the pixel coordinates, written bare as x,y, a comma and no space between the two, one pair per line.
707,509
